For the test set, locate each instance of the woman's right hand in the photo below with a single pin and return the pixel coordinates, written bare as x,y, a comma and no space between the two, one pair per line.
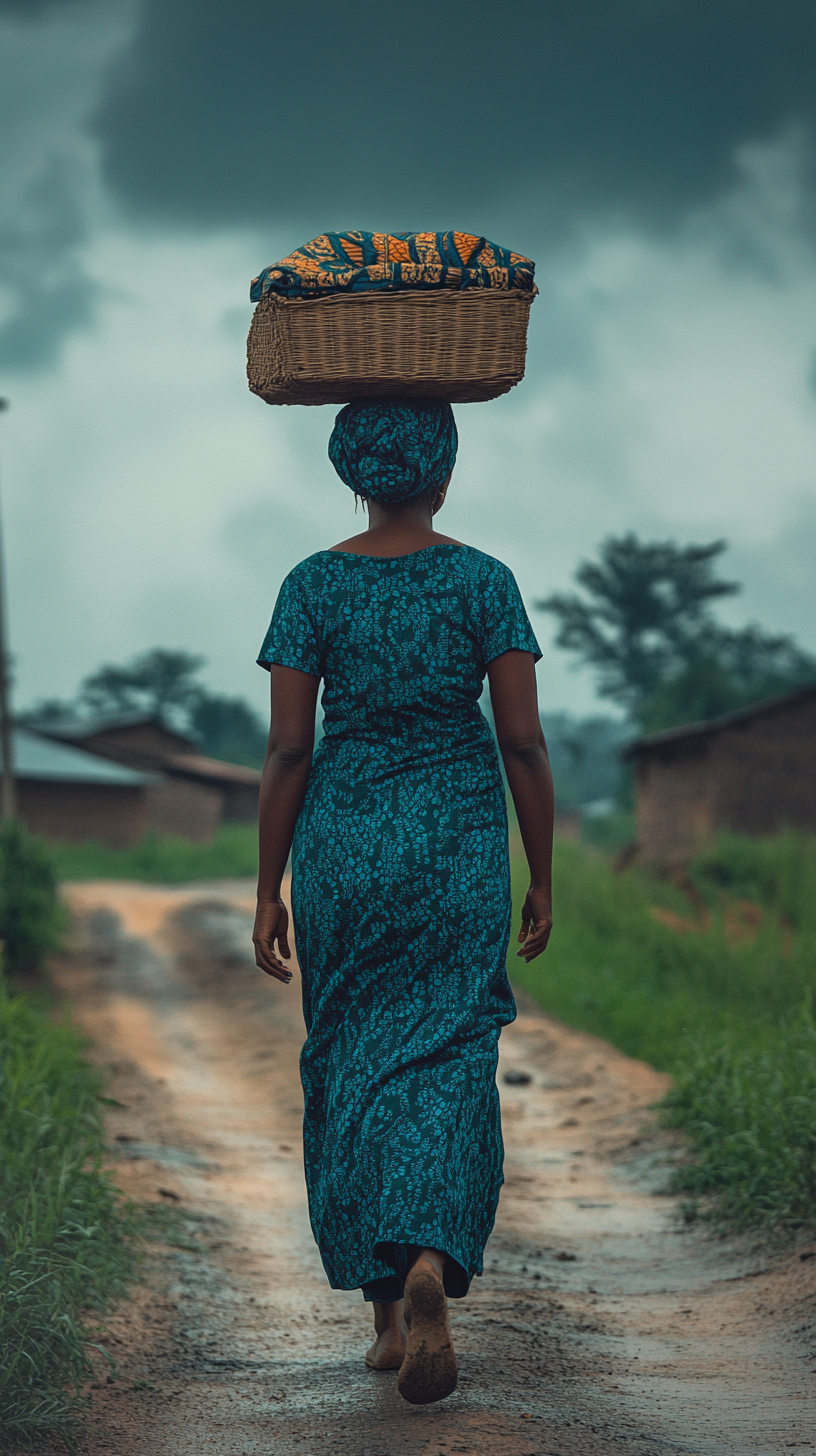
536,923
272,924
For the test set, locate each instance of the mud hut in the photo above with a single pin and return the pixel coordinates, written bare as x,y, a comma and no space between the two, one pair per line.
751,771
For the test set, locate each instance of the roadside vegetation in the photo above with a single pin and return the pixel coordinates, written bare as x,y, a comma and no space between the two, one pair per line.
31,917
159,859
710,978
67,1245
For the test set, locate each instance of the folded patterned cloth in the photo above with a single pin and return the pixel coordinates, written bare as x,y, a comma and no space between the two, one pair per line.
364,262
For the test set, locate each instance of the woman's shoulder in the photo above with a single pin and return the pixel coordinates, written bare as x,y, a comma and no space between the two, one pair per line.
483,567
311,568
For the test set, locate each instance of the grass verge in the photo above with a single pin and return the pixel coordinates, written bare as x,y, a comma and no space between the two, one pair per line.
158,859
67,1244
712,982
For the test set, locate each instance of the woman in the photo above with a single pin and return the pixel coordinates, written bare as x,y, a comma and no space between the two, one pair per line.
400,878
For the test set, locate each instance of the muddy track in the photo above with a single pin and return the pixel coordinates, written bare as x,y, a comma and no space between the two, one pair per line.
599,1326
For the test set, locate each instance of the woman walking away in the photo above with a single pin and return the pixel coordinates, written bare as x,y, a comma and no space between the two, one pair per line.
400,878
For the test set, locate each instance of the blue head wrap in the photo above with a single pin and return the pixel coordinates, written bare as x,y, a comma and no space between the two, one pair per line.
394,450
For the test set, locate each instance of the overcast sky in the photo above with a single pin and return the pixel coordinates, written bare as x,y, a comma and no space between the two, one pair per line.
655,158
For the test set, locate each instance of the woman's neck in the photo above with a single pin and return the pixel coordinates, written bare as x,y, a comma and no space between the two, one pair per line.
396,531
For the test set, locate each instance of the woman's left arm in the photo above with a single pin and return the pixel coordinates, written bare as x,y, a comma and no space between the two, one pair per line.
283,789
514,700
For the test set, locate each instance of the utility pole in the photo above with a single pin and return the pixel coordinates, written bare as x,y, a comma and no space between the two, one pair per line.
8,797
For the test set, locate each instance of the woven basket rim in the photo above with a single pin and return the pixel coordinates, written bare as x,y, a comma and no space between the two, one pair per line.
381,295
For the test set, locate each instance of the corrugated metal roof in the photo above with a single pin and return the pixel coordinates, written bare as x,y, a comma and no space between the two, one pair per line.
41,758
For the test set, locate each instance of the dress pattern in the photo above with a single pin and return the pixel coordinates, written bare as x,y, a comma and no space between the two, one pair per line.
401,901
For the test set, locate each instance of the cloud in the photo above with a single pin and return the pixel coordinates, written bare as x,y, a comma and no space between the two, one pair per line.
52,62
199,116
371,115
50,291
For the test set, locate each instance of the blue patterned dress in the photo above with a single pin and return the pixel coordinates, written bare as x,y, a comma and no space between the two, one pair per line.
401,900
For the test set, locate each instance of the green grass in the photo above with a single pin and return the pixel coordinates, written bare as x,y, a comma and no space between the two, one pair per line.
67,1245
749,1107
232,854
610,832
723,1006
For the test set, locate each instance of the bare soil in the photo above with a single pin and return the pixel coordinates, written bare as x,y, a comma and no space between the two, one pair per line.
601,1323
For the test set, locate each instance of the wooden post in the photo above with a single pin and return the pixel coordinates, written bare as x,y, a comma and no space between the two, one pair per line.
8,797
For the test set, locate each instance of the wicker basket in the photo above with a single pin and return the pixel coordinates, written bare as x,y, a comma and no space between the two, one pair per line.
440,343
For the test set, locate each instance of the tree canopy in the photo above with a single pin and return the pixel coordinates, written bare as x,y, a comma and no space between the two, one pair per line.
645,623
159,681
165,682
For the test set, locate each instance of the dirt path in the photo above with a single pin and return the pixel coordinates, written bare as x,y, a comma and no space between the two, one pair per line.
598,1327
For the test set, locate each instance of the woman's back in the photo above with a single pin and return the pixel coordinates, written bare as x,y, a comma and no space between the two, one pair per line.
402,644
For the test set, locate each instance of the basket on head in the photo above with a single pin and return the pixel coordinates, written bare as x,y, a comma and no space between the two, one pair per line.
402,319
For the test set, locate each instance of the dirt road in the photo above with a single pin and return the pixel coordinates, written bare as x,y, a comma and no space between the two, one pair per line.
599,1326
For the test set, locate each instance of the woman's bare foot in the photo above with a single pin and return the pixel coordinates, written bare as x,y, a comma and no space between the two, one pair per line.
388,1350
428,1372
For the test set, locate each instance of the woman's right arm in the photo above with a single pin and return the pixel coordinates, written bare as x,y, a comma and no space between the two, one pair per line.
283,789
514,699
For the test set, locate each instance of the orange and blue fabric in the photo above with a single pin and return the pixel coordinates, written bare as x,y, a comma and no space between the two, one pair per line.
365,262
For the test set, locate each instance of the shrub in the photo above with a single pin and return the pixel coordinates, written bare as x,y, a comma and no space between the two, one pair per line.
778,873
31,917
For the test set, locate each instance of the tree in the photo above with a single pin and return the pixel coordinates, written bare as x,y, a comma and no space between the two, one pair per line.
164,682
583,755
646,625
160,681
228,728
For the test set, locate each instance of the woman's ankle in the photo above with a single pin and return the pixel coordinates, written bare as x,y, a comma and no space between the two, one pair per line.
387,1316
434,1257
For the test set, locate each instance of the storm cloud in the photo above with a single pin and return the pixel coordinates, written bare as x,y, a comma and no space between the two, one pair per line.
530,125
371,115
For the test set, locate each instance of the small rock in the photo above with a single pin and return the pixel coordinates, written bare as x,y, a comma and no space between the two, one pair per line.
517,1079
169,1193
566,1258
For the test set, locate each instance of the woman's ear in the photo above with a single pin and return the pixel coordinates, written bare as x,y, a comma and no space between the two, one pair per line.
439,499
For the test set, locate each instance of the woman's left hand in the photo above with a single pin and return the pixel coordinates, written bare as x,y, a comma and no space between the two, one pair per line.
272,924
536,922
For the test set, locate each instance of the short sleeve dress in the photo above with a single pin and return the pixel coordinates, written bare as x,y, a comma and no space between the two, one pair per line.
401,902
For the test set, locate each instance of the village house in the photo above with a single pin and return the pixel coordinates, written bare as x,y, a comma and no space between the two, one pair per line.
65,794
150,778
751,771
